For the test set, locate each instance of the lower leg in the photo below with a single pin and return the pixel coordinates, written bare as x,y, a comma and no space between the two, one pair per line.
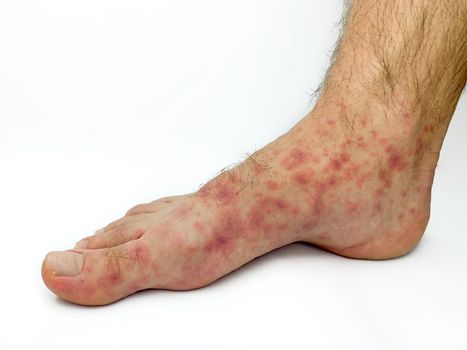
354,176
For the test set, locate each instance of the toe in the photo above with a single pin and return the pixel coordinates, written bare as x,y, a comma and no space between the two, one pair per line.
153,206
142,209
98,277
113,237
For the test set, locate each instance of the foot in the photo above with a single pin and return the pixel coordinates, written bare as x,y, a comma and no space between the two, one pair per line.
355,182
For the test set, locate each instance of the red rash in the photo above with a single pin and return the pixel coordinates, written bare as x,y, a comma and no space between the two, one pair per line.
352,207
364,121
338,162
301,179
385,179
331,121
362,179
361,143
378,207
182,211
428,128
141,254
295,159
273,203
281,204
110,278
199,226
230,226
224,193
272,185
396,162
115,278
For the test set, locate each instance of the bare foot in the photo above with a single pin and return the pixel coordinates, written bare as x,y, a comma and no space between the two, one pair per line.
354,177
360,190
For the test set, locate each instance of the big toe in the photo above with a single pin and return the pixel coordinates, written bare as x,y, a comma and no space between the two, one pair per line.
101,276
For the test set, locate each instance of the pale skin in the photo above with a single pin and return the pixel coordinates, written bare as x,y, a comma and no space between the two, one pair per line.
353,177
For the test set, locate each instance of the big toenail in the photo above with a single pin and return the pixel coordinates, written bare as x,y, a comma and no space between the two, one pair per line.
64,263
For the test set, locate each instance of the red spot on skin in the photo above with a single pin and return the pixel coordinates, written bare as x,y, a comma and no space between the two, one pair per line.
364,121
272,185
344,157
321,132
270,204
341,106
331,121
396,162
383,141
295,210
385,178
309,225
221,188
406,115
351,172
256,220
318,206
332,181
346,145
295,159
182,211
141,254
301,179
374,134
320,189
224,193
362,179
413,211
224,233
198,226
404,193
379,192
109,280
361,144
233,177
336,164
115,278
352,207
378,207
428,129
281,204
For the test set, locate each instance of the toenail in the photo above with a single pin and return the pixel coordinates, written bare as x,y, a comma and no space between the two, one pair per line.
83,244
64,263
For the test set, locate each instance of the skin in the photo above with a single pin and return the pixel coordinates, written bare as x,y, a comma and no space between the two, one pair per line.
353,177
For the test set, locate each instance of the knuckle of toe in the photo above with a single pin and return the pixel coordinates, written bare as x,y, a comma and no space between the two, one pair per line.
136,209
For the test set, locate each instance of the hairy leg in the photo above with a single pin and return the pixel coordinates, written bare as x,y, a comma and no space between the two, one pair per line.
353,177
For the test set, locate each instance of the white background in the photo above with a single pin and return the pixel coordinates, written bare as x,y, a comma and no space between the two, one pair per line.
105,104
